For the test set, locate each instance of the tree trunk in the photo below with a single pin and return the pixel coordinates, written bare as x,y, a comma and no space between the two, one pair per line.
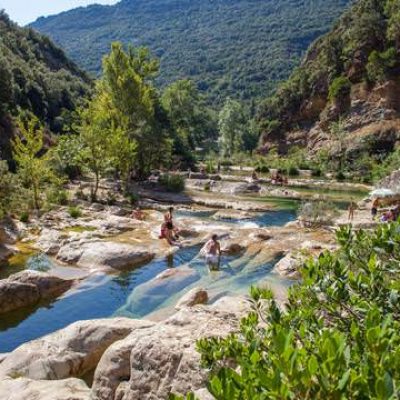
36,197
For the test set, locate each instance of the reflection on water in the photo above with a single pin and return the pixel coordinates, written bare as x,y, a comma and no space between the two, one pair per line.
131,294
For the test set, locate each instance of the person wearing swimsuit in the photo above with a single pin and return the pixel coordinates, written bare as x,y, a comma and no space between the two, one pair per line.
212,251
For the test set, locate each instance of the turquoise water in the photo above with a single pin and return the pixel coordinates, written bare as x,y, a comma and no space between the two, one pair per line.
130,293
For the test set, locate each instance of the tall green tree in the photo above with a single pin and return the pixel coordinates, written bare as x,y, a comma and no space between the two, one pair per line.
186,111
96,135
7,188
232,125
133,101
33,161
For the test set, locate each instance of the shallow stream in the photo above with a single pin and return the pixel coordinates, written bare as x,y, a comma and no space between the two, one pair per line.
132,293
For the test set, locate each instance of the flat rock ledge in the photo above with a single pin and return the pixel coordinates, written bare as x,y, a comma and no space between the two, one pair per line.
27,288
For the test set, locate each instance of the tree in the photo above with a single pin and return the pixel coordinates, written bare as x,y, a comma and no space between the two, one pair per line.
6,85
232,126
34,168
132,99
339,134
8,186
186,111
96,135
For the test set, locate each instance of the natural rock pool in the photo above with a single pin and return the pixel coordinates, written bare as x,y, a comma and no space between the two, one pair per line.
138,293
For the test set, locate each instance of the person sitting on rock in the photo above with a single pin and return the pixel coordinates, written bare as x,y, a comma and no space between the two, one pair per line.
167,233
212,252
168,229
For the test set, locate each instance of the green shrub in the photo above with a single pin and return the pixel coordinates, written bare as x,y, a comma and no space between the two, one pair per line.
293,171
337,336
172,183
58,196
262,168
316,172
340,176
380,64
133,198
339,88
74,212
226,163
24,217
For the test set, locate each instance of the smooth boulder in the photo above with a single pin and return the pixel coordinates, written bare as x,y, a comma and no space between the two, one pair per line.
289,267
29,287
193,297
152,363
104,255
69,352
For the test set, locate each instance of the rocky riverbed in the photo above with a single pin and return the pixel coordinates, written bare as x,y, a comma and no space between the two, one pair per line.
169,288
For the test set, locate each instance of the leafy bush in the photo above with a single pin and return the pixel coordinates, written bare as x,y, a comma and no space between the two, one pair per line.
133,198
338,336
226,163
172,183
262,168
24,217
316,172
339,88
340,176
380,64
74,212
293,171
57,196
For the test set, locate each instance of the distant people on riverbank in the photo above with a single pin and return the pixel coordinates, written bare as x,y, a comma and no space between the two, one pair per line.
374,208
352,207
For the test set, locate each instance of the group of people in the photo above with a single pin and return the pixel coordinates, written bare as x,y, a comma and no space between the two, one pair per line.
388,216
211,250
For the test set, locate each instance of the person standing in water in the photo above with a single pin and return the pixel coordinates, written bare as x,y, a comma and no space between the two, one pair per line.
212,251
351,209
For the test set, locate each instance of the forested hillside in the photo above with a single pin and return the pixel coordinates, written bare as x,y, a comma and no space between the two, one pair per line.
351,76
35,76
239,48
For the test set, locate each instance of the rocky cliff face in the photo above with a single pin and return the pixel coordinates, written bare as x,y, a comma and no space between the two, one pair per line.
351,75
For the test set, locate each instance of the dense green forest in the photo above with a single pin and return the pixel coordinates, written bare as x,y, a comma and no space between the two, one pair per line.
364,46
237,48
35,76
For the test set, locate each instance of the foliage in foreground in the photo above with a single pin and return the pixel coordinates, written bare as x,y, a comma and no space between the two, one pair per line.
338,337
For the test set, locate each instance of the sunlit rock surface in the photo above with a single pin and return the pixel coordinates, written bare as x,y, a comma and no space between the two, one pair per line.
69,352
28,288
